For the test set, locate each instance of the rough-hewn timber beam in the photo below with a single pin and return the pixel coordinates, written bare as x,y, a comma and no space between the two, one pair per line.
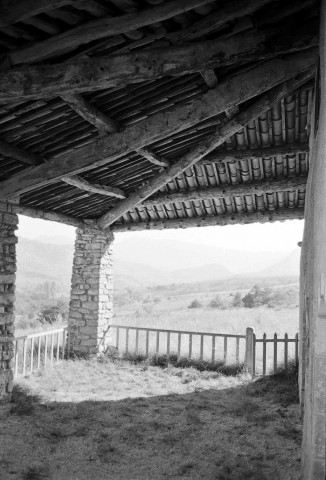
229,156
90,113
11,151
91,74
229,11
250,188
211,221
101,28
47,215
12,11
204,148
153,157
82,184
227,94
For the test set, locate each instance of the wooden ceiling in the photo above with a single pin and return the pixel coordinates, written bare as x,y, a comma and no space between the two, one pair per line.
151,114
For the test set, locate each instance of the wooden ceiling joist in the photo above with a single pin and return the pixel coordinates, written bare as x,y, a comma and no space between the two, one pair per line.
204,148
12,11
102,28
90,113
222,191
46,215
11,151
153,157
83,184
216,220
228,94
91,74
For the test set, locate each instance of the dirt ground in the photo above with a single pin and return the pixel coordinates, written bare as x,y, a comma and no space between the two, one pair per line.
75,421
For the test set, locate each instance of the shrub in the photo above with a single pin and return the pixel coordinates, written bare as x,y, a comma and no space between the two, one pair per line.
218,302
195,304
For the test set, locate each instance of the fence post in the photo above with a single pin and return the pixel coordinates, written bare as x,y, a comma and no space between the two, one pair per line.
249,358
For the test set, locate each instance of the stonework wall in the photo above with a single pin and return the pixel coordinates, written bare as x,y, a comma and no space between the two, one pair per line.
8,240
90,310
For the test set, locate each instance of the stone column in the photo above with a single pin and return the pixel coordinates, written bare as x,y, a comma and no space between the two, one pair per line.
90,309
313,286
8,240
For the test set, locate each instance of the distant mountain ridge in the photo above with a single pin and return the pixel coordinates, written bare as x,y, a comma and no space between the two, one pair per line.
144,263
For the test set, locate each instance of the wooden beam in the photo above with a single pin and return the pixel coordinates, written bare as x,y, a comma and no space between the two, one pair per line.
12,11
204,148
230,156
101,28
216,220
48,215
11,151
222,191
83,184
153,157
229,93
90,113
227,12
91,74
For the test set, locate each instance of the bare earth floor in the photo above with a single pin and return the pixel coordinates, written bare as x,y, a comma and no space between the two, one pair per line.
176,424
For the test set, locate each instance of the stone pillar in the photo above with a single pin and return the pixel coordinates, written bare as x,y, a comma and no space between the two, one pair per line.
8,240
313,286
90,309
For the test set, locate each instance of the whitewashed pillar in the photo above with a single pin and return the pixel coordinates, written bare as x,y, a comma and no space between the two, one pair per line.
90,311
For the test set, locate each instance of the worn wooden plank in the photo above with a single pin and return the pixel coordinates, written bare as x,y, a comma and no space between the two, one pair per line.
83,184
12,11
90,113
101,28
214,220
11,151
203,148
229,93
222,191
91,74
46,215
153,157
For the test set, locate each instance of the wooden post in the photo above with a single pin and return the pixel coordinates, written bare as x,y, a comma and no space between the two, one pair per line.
249,358
314,291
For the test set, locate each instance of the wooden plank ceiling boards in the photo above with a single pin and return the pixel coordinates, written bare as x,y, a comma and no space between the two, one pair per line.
164,114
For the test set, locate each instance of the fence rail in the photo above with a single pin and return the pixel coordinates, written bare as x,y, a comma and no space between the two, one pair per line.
180,342
38,350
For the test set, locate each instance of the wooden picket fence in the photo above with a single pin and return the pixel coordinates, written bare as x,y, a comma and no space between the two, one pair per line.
243,348
43,349
39,350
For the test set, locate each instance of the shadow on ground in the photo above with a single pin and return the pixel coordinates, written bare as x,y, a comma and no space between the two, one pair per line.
248,432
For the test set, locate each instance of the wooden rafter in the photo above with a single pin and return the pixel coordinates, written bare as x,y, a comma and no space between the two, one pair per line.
153,157
229,93
210,221
204,148
91,74
222,191
90,113
12,11
101,28
83,184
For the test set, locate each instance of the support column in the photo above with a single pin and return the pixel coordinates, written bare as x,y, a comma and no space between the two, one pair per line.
8,240
313,287
90,311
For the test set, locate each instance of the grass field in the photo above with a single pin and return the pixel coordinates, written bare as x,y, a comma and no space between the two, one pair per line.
113,420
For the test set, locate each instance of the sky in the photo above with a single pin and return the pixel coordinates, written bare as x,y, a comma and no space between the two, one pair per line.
279,236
